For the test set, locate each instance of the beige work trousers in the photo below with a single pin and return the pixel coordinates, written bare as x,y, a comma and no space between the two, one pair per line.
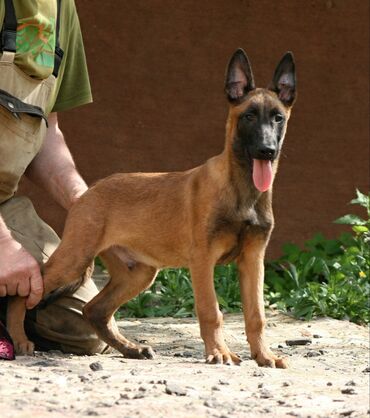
60,325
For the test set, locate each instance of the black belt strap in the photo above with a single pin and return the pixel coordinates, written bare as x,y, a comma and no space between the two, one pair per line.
58,54
9,34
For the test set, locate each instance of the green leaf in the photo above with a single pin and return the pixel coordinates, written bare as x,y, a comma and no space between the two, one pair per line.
360,228
350,220
362,200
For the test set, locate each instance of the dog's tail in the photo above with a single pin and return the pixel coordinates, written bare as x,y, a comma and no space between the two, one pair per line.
66,290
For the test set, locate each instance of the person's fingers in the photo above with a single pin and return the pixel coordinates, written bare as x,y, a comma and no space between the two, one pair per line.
36,291
23,288
2,290
11,288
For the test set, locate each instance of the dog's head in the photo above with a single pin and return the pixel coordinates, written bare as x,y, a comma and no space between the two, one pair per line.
259,116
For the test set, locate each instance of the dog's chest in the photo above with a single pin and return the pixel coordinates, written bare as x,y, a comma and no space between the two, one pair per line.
231,229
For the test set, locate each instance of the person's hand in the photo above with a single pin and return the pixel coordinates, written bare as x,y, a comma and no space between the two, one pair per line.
19,273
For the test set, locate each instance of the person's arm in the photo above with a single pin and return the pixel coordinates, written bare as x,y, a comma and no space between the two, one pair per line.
54,169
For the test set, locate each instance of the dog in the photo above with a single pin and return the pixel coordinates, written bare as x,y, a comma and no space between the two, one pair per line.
213,214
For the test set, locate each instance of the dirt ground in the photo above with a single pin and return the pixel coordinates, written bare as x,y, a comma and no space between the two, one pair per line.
327,378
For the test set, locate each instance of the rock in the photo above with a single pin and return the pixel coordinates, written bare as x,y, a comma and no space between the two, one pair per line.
299,341
174,389
258,373
266,394
347,413
223,382
215,387
317,336
351,383
348,391
96,366
329,384
367,370
313,353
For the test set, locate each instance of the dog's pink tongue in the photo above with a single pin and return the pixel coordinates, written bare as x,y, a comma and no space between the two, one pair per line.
262,174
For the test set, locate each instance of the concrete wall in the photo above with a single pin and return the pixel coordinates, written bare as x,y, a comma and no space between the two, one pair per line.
157,70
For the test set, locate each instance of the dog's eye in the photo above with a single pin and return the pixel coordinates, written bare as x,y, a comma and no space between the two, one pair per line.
250,117
278,118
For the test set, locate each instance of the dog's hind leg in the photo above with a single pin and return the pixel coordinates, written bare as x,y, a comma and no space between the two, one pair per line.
16,312
126,282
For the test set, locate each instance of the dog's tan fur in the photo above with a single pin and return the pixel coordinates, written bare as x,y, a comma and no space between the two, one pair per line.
198,218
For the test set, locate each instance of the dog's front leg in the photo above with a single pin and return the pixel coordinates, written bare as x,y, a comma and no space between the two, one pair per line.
251,277
209,315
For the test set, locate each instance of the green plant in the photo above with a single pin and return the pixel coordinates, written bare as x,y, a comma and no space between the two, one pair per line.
328,277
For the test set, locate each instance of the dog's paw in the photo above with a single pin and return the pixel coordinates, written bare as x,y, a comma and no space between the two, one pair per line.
24,348
139,352
268,359
222,356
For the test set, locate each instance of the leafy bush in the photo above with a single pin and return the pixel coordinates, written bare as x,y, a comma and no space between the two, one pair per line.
328,277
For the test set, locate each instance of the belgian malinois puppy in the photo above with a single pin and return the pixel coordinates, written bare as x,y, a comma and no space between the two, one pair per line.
212,214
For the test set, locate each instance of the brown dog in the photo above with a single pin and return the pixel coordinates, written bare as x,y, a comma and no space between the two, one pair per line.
215,213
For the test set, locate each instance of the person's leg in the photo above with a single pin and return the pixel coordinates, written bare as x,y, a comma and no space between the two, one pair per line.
60,325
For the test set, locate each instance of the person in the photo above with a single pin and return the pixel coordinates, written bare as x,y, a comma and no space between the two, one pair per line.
42,72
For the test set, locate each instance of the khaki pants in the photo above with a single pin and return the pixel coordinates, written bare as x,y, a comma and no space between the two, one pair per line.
60,325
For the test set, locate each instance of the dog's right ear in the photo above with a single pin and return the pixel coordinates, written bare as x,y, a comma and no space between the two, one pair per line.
239,77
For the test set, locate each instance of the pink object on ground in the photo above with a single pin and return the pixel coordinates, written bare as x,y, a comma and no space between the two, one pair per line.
6,344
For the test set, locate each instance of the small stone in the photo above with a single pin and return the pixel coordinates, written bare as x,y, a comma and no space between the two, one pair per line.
134,372
174,389
286,384
92,413
215,387
96,366
317,336
265,394
260,385
367,370
36,389
139,395
313,354
142,389
223,382
210,403
83,378
281,402
299,341
124,396
347,413
329,384
348,391
161,382
351,383
258,373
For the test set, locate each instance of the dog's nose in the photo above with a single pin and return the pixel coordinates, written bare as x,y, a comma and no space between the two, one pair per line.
266,153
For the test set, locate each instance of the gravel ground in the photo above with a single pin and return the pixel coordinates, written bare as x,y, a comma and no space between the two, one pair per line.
327,378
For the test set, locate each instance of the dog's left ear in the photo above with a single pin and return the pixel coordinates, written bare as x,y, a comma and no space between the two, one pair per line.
284,80
239,77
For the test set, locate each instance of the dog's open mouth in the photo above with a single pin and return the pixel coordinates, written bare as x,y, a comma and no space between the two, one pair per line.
262,174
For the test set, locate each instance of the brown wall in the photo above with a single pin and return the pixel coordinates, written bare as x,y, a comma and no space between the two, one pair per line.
157,71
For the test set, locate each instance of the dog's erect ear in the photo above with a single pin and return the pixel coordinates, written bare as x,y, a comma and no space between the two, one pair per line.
284,81
239,77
